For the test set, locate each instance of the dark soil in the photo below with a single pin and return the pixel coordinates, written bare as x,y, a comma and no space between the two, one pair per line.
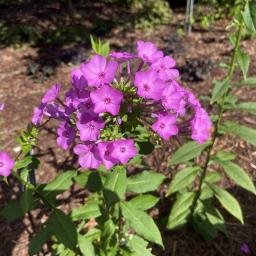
26,72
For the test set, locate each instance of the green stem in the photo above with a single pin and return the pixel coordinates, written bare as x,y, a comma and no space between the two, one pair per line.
219,119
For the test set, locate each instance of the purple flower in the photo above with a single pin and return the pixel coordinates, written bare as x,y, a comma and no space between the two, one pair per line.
201,125
106,99
74,98
98,71
148,52
88,155
172,99
6,164
166,126
245,249
53,110
121,56
1,106
164,67
123,150
38,114
78,79
149,85
105,149
90,127
66,135
51,94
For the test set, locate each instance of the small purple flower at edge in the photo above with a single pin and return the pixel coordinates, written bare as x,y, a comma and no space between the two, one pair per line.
6,164
245,249
1,106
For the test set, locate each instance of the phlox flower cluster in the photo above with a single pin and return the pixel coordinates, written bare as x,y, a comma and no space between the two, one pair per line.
109,94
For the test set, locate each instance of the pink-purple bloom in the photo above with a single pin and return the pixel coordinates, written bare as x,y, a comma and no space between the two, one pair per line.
149,85
88,155
66,135
38,114
165,68
121,56
90,127
201,125
148,52
1,106
105,148
123,150
6,164
98,71
245,248
166,126
106,99
51,94
78,79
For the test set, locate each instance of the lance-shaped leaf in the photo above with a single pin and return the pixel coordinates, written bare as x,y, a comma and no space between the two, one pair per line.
228,202
219,89
188,151
180,210
243,132
87,211
142,223
183,178
238,175
64,229
144,202
115,185
249,16
37,242
249,107
85,246
243,62
144,182
139,246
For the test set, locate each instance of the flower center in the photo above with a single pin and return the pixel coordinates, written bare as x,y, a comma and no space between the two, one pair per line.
122,149
88,105
92,126
162,126
1,164
102,75
107,100
146,87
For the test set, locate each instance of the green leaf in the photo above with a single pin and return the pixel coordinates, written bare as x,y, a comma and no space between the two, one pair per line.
249,16
115,185
251,82
243,132
243,62
64,229
142,224
87,211
85,246
182,179
37,242
144,182
188,151
239,176
245,106
24,162
16,209
61,183
139,246
181,210
224,156
215,218
144,202
219,89
228,202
